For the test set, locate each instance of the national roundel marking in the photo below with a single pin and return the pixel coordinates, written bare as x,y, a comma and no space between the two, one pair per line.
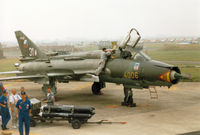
136,66
25,43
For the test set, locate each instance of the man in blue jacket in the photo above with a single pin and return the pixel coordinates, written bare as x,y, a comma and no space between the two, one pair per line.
4,109
24,111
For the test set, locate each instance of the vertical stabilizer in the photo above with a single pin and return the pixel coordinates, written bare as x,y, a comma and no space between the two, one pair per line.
27,47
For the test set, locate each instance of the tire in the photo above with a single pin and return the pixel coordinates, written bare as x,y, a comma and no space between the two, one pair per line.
76,124
96,88
32,123
43,120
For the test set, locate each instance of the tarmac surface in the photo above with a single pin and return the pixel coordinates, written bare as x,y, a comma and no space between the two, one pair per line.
176,111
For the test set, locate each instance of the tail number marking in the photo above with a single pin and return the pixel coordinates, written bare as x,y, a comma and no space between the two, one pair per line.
32,52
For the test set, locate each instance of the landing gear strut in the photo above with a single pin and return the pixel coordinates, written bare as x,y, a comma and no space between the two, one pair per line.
96,87
128,99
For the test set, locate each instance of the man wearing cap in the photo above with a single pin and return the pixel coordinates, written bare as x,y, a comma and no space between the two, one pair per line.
4,110
22,89
24,111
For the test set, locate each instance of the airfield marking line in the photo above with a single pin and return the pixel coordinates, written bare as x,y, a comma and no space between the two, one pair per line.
82,86
15,132
112,106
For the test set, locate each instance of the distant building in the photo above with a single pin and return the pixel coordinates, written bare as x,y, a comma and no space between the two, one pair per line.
185,43
1,51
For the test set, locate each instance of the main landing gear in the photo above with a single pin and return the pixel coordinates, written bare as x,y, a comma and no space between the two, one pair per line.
128,99
96,88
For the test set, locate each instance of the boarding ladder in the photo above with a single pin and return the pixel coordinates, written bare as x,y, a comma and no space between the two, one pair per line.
153,93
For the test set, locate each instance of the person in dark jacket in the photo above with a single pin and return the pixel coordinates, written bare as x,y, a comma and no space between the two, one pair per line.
24,111
4,109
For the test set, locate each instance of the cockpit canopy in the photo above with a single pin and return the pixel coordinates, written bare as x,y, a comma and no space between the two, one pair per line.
141,56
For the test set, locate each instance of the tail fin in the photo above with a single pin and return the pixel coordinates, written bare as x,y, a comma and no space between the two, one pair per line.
27,47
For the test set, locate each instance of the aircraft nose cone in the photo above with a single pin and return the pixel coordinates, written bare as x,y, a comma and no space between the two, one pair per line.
174,75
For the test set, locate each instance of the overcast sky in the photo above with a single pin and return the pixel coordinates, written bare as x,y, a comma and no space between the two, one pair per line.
98,19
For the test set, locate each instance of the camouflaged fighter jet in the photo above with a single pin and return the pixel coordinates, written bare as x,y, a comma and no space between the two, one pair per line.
128,65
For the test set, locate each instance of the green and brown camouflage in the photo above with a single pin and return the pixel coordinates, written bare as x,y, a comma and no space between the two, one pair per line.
128,65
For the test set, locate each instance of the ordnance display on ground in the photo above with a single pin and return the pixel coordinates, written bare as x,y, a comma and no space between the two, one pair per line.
76,115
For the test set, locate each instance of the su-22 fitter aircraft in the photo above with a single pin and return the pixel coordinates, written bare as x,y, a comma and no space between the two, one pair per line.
128,65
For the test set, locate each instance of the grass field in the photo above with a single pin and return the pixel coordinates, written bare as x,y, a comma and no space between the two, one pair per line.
182,55
8,64
194,72
175,52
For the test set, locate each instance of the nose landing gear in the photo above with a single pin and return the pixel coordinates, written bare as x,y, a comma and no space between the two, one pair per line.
96,88
128,99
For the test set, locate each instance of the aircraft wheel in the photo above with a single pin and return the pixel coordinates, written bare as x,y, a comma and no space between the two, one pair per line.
96,88
76,124
32,123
